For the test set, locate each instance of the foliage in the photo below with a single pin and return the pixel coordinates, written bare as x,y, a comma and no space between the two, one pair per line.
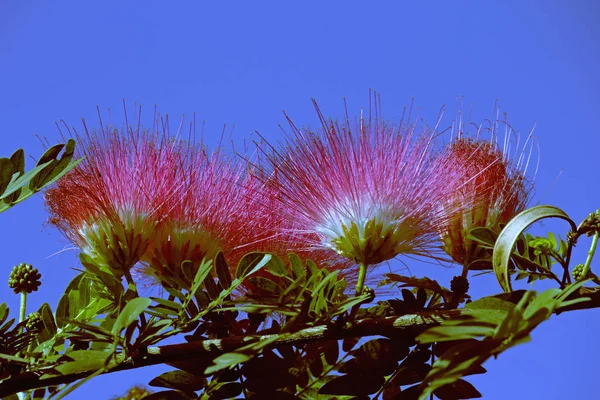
16,185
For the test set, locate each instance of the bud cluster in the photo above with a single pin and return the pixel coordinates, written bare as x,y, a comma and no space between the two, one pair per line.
590,225
24,278
577,272
34,322
459,285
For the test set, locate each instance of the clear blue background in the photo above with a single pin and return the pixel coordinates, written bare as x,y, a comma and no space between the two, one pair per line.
243,62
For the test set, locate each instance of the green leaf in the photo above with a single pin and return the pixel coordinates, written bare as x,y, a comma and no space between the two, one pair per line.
48,318
201,275
510,234
132,310
460,389
180,380
445,333
18,161
222,270
296,264
82,360
484,236
228,391
251,263
6,173
171,305
276,266
227,360
3,313
408,375
239,356
500,307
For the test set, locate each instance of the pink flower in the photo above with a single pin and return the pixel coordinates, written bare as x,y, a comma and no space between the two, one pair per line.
368,191
111,203
493,191
208,217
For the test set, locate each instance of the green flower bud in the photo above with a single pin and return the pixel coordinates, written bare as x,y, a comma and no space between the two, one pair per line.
34,322
577,273
369,291
24,278
590,225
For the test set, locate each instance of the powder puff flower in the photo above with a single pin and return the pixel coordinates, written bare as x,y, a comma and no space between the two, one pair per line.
110,204
206,219
494,187
368,191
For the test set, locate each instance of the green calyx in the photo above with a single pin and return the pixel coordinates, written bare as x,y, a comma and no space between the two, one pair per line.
374,242
118,243
174,254
24,279
455,237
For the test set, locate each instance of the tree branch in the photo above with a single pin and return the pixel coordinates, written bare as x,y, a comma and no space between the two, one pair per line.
211,348
411,324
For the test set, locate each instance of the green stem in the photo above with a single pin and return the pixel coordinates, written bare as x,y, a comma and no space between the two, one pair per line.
362,273
23,309
590,256
22,312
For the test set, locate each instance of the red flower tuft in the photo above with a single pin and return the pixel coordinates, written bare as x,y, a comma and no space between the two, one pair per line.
209,217
110,204
494,189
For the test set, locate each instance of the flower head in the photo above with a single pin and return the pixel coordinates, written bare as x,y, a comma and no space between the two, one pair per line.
494,189
110,204
367,191
207,218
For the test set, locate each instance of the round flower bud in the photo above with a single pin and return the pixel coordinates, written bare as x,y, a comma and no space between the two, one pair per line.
369,291
34,322
577,272
24,278
459,284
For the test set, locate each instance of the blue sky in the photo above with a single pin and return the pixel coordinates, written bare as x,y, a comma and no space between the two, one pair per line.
242,63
